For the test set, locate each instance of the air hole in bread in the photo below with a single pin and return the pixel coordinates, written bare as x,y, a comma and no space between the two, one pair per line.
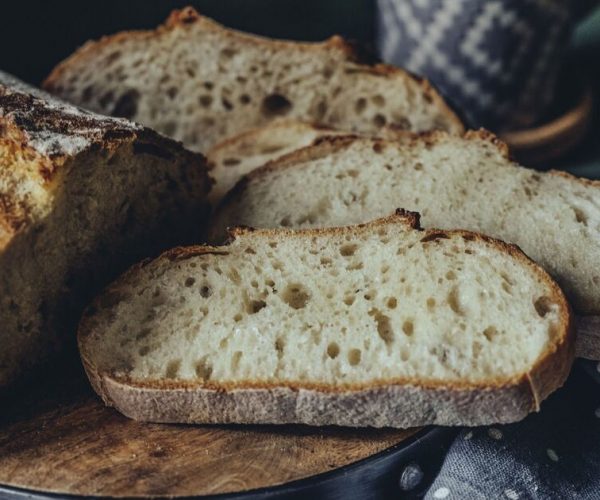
158,298
87,93
203,369
144,350
507,288
143,334
360,105
226,103
285,222
126,105
106,99
237,318
112,57
245,99
450,275
234,276
418,166
189,281
205,101
279,346
430,303
295,296
370,295
348,250
325,261
256,305
173,368
235,360
454,301
378,100
315,335
273,244
172,92
408,327
543,305
355,266
231,162
321,110
333,350
379,120
580,216
349,299
402,123
275,105
354,356
228,53
250,250
378,148
254,284
208,85
308,218
270,282
392,302
272,148
205,291
490,333
384,326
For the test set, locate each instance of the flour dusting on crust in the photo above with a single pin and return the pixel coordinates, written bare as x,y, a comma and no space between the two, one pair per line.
53,127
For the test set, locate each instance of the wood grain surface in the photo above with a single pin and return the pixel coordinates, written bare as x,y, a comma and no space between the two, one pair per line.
58,437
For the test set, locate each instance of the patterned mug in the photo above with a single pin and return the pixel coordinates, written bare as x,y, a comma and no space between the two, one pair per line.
496,60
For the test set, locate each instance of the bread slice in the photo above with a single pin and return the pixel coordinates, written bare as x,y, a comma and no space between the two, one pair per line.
454,182
380,324
81,197
236,156
198,82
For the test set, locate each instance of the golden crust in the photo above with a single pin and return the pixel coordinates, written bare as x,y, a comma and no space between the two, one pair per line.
39,134
547,374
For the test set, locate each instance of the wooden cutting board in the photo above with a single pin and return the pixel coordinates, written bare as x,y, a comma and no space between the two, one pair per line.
60,438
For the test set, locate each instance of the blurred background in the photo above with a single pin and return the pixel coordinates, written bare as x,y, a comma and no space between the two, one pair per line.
37,34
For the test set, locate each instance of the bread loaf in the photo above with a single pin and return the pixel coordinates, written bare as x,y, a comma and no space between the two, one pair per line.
198,82
380,324
454,182
81,197
236,156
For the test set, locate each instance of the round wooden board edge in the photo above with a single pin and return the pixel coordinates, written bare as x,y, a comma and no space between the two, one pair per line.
427,437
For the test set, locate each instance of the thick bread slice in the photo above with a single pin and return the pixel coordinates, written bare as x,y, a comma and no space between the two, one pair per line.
236,156
198,82
454,182
81,197
379,324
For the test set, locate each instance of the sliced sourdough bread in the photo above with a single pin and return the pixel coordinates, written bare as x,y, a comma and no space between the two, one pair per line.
454,182
236,156
198,82
380,324
82,196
